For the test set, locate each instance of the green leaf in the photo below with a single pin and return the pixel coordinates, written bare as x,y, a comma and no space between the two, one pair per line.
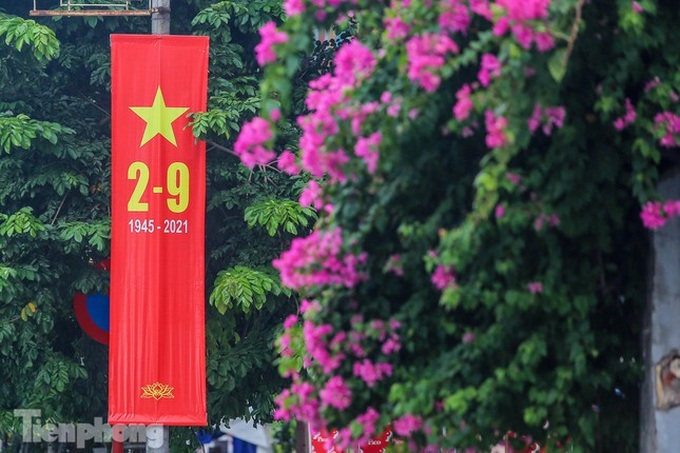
557,65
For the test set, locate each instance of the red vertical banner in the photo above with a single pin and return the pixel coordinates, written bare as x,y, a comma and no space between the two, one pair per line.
157,319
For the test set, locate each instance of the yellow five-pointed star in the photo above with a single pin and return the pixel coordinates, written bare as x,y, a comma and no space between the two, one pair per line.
159,119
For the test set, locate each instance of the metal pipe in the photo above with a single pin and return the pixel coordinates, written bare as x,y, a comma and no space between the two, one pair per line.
104,12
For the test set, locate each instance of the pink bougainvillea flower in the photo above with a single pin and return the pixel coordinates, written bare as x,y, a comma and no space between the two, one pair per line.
653,83
318,259
298,402
311,195
270,35
367,149
535,287
293,7
391,345
455,16
249,144
543,219
443,276
464,105
371,372
407,424
490,68
290,321
482,8
499,211
628,117
426,55
637,7
286,163
519,17
495,130
550,117
317,346
394,265
367,421
669,123
544,41
354,62
652,215
310,306
396,28
514,178
336,394
535,118
672,208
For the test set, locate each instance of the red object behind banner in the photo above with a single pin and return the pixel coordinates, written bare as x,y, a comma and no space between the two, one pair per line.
379,444
157,320
322,441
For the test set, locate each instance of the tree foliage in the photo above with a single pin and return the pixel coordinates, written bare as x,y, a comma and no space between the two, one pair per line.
55,207
476,266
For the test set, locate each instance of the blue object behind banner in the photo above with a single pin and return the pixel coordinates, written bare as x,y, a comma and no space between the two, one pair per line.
98,307
241,446
92,313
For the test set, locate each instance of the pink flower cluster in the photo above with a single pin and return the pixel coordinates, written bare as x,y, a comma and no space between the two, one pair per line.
387,335
542,220
270,35
371,372
495,130
317,260
316,342
518,15
490,68
329,351
293,7
443,277
669,123
654,214
549,117
482,8
336,394
396,28
464,105
367,421
354,62
344,439
514,178
407,424
426,55
394,265
535,287
329,102
299,402
652,83
286,163
629,117
367,149
249,145
312,195
392,104
455,16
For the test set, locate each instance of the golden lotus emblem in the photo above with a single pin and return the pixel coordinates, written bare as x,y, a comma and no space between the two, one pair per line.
157,391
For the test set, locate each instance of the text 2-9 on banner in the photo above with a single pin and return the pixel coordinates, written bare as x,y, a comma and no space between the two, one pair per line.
157,319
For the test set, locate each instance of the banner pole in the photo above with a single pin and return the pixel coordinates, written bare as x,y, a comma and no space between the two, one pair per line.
160,25
160,20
